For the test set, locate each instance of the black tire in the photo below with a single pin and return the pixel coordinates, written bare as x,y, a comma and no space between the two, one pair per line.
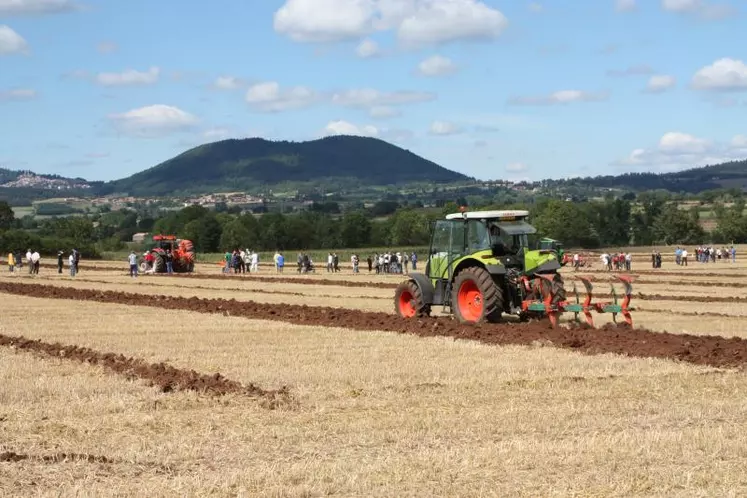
159,265
409,302
491,296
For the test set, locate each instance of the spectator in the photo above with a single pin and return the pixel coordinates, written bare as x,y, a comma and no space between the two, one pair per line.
11,262
280,262
354,260
684,257
169,262
414,261
36,261
29,262
132,258
369,260
71,264
59,262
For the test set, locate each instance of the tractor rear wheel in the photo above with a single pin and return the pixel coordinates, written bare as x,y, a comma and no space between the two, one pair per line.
477,297
159,265
409,302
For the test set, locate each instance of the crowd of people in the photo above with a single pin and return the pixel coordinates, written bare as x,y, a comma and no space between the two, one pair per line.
617,261
33,261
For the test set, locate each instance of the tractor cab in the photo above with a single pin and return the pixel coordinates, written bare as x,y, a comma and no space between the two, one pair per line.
165,242
504,233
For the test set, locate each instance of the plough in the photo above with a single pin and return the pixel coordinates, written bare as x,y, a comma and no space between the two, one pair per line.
552,299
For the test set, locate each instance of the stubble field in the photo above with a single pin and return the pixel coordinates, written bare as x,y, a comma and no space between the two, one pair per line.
110,386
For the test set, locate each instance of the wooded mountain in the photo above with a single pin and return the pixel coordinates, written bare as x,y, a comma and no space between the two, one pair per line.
726,175
246,164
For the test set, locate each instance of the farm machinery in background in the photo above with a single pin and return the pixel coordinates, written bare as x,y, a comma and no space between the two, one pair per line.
182,252
480,266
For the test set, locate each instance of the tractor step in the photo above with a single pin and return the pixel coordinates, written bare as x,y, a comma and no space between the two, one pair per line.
553,306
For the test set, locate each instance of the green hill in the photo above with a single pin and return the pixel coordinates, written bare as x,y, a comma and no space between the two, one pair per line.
248,164
726,175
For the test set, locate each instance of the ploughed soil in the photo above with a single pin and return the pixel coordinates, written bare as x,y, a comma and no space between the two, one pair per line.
702,350
166,377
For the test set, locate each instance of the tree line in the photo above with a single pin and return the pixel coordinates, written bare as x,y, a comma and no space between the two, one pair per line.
648,219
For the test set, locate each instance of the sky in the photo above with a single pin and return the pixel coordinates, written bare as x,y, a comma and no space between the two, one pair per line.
494,89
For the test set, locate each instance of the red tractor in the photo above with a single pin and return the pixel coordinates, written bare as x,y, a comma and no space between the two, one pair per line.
182,251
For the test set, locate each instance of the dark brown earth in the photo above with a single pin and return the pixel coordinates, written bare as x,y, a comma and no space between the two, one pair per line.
702,350
166,377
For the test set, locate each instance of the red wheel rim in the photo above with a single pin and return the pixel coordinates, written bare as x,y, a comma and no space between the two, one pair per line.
407,304
470,302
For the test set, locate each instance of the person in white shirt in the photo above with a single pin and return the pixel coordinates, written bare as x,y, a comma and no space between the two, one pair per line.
684,257
28,261
276,259
132,258
71,263
576,261
628,261
35,259
255,261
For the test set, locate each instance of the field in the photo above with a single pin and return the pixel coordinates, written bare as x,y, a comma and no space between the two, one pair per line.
308,385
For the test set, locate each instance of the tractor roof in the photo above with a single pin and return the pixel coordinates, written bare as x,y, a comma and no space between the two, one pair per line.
489,215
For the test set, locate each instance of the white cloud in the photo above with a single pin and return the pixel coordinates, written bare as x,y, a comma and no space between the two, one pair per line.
636,70
107,47
11,42
625,5
444,128
681,143
723,75
739,142
517,167
129,77
36,7
270,97
368,49
437,65
678,150
660,83
367,98
536,7
341,127
700,8
17,94
228,83
153,121
383,112
325,20
416,22
441,21
560,97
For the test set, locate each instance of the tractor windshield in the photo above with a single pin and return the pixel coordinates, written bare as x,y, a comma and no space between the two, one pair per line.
511,236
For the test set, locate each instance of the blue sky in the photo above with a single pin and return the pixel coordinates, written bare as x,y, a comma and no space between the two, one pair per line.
493,89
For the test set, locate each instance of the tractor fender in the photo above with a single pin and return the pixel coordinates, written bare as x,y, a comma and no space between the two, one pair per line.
425,285
470,262
496,269
547,267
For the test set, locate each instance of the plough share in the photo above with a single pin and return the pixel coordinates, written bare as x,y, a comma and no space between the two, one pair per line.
552,300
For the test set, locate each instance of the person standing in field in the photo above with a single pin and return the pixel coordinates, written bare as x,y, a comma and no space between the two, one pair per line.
169,262
11,262
255,261
281,262
36,261
29,262
227,266
71,264
132,258
414,261
59,262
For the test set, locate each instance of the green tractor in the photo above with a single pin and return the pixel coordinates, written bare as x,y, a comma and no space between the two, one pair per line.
480,266
547,244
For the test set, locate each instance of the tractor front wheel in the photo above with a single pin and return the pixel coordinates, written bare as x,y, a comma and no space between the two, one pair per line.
409,302
477,297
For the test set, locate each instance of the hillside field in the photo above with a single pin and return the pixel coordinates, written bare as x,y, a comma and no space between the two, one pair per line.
323,391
